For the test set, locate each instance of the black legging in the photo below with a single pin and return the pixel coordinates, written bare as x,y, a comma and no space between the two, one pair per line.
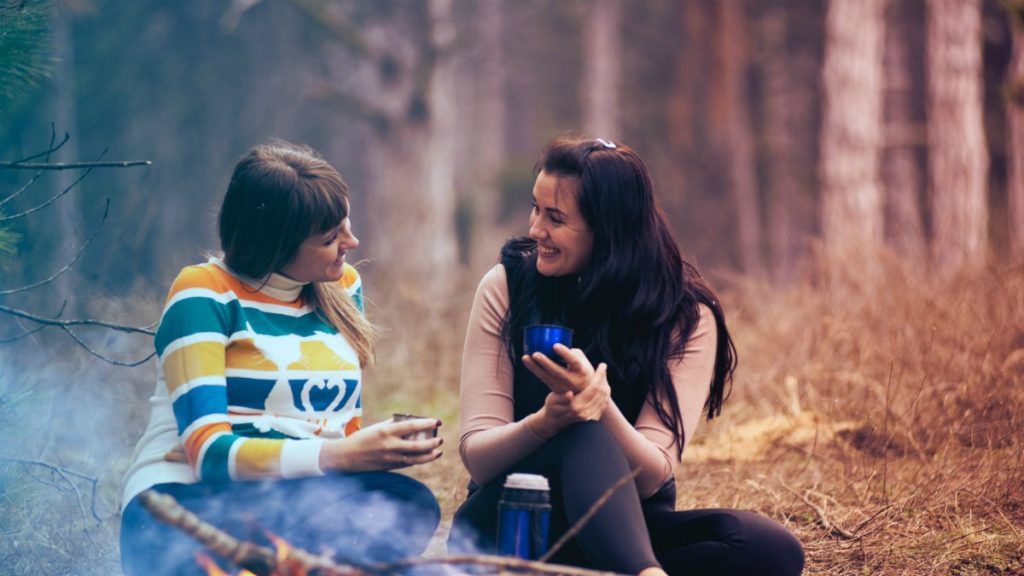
360,518
627,534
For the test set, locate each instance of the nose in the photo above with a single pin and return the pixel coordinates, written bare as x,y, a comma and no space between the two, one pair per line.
537,231
348,242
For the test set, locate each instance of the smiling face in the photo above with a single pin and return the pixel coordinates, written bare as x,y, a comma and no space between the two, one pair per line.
321,257
564,240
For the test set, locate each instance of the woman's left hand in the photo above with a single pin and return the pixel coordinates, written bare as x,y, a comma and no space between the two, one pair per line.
573,377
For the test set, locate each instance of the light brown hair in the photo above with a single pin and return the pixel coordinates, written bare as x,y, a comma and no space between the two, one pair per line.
280,194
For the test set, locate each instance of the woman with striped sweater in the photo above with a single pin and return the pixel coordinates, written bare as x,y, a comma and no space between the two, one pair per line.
256,422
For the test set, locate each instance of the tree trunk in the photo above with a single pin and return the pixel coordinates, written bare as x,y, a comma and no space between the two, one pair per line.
958,156
789,71
64,232
902,172
732,120
489,139
602,69
411,201
851,131
1015,136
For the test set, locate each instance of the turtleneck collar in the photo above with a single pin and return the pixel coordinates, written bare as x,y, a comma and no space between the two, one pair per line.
277,286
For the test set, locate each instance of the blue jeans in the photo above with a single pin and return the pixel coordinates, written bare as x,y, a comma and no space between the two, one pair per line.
356,518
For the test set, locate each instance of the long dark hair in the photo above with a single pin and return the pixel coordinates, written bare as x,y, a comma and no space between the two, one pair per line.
280,194
636,303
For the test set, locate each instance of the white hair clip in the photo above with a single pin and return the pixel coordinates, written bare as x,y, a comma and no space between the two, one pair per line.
606,143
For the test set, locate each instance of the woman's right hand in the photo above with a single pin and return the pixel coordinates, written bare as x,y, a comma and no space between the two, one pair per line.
382,447
562,409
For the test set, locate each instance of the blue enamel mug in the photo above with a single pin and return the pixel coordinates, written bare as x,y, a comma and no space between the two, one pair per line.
543,337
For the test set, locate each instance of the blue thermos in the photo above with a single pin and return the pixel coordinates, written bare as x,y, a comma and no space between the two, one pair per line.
524,513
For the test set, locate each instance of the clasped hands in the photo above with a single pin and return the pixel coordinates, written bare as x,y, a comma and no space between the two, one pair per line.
579,392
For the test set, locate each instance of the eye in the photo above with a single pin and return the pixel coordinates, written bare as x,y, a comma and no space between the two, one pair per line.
330,239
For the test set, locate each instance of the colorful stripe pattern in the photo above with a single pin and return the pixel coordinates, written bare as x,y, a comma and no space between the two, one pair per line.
253,381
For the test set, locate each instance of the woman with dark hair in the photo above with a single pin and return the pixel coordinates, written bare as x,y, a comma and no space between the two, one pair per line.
256,423
651,352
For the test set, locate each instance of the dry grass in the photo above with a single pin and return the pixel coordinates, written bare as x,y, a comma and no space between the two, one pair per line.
879,418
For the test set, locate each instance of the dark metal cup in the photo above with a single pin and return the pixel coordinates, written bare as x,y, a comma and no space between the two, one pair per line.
426,435
543,337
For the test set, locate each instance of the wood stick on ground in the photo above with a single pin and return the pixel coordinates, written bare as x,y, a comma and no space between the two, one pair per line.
257,559
517,564
263,561
823,518
571,532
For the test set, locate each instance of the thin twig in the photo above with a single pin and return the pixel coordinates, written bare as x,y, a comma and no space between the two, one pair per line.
106,210
63,473
823,518
52,199
53,148
72,165
22,335
101,356
148,330
569,534
46,154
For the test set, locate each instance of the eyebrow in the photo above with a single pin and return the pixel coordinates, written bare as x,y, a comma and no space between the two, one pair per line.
552,210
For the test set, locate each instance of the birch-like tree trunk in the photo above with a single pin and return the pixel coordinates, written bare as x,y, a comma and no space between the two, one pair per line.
602,69
902,173
1015,135
732,121
851,129
957,151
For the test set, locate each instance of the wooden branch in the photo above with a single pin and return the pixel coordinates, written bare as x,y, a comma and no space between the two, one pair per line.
106,210
53,199
260,560
25,334
78,322
247,555
72,165
823,518
46,154
53,147
502,562
101,356
63,474
579,524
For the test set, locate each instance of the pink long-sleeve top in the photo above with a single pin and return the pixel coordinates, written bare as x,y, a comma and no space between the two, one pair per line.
491,441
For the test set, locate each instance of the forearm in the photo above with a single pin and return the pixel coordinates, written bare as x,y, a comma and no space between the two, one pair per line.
486,453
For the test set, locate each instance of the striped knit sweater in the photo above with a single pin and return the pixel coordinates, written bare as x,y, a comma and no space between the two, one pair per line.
250,382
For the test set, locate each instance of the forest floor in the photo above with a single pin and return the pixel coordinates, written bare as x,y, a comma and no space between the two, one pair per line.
878,418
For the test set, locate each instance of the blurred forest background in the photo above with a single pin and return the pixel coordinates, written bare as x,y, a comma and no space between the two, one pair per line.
849,172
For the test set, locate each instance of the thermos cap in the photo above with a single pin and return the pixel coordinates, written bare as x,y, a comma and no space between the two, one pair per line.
526,482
